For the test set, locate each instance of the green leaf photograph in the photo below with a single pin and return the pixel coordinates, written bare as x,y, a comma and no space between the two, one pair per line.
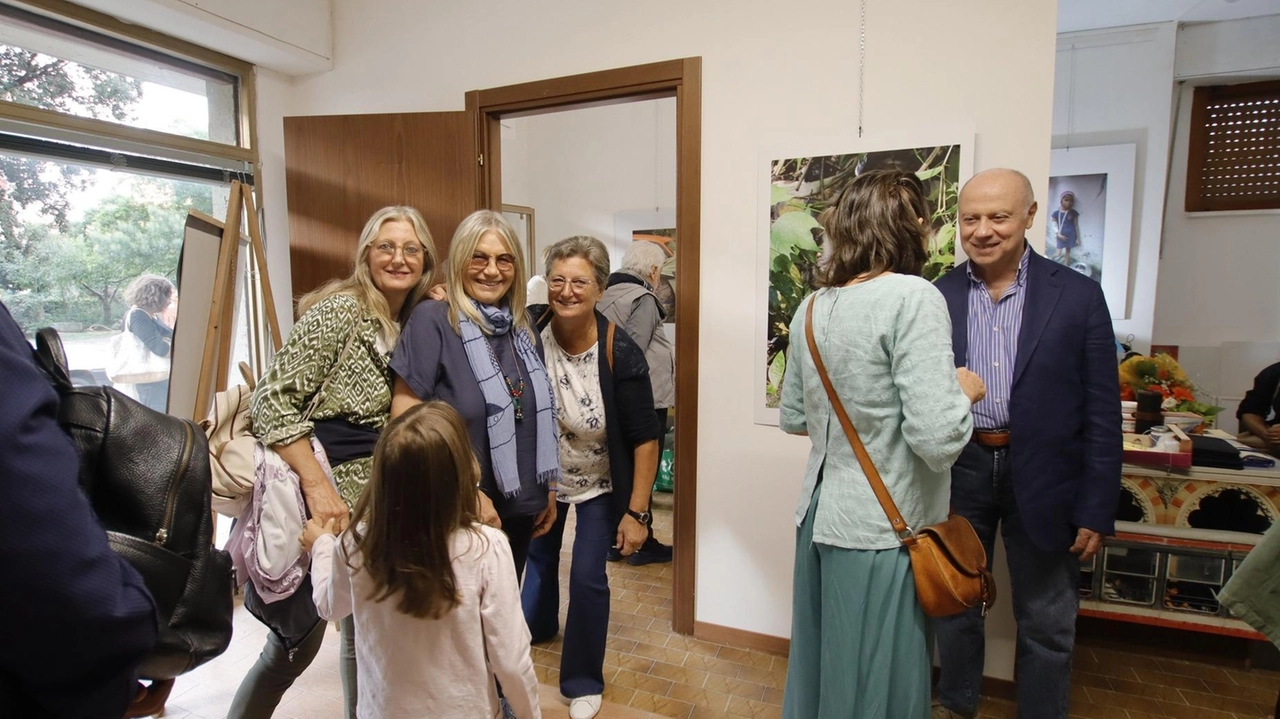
800,189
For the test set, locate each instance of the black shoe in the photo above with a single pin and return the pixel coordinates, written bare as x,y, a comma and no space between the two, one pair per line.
651,552
614,555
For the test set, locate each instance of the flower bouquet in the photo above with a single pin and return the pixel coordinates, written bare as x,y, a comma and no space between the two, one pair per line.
1163,374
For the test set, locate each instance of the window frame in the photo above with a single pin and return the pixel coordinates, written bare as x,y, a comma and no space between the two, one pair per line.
238,160
1195,200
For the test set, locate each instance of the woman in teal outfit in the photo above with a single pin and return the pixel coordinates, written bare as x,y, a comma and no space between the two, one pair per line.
859,639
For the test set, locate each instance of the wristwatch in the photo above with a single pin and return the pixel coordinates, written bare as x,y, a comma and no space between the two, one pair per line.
645,517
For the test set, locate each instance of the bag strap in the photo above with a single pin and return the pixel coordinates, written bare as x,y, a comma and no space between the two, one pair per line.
51,355
868,467
318,397
608,344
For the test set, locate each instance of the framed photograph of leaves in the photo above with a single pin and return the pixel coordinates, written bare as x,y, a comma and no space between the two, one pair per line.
796,187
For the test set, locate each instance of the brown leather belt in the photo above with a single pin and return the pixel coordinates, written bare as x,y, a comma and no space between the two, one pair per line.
991,438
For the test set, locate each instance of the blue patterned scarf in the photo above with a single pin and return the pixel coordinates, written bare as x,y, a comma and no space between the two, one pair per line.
499,410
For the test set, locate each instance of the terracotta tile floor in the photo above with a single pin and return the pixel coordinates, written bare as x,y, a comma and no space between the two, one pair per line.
650,671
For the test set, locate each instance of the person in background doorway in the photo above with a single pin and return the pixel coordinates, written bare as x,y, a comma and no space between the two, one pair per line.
1259,411
75,618
357,319
431,589
608,454
859,637
630,302
537,291
150,318
1044,463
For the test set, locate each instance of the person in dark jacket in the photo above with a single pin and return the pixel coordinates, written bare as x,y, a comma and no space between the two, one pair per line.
630,302
150,319
75,618
608,440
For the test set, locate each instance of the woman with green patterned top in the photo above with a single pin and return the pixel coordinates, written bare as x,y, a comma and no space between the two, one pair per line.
336,358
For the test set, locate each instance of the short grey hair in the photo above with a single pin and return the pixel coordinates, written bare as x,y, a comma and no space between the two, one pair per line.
589,249
642,256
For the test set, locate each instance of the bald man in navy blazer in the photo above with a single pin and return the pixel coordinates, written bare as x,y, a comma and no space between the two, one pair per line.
1044,462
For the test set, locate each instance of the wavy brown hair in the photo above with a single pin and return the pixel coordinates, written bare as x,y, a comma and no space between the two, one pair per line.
875,226
422,491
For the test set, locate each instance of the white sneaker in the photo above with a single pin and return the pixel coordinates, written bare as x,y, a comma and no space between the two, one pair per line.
585,707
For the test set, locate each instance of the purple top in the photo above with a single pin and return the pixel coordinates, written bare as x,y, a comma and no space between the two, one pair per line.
993,343
430,358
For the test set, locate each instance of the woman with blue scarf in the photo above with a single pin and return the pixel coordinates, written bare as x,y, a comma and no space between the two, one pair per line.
477,351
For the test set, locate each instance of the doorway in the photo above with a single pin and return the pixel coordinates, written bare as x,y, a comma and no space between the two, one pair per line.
340,168
680,80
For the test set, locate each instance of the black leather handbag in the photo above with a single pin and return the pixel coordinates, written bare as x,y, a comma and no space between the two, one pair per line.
147,476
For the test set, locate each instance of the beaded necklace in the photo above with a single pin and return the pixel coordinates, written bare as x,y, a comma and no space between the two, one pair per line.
516,392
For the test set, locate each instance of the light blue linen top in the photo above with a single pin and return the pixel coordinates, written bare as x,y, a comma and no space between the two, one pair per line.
886,344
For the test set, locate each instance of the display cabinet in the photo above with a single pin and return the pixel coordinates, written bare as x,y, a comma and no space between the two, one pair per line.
1179,536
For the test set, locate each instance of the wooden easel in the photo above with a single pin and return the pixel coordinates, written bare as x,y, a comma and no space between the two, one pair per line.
215,363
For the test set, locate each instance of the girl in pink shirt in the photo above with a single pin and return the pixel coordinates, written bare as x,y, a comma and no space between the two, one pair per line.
433,591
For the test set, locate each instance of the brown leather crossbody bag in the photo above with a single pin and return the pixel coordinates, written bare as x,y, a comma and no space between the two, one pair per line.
947,559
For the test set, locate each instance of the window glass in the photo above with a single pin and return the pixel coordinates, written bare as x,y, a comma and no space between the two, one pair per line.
72,240
54,67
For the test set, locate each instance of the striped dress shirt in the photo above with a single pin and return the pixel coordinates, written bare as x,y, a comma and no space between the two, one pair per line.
994,326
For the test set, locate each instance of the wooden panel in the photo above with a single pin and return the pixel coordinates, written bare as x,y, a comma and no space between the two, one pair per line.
620,82
1233,158
689,226
339,169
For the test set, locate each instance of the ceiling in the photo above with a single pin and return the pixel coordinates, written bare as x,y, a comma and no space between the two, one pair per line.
1074,15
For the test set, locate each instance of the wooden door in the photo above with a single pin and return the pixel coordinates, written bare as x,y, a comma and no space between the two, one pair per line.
340,169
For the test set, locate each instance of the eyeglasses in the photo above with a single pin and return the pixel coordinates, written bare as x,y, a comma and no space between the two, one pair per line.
578,284
480,261
411,252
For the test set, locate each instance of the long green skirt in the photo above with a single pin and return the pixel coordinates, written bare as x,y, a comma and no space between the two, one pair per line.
859,640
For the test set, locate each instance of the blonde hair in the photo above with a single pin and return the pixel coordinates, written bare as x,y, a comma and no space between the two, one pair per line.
360,283
465,240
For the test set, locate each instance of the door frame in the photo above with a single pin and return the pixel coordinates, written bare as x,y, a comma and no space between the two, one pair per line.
681,79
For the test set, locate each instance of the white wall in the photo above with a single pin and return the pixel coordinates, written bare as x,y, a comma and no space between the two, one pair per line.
578,169
1116,87
1196,280
289,36
766,78
274,96
1217,293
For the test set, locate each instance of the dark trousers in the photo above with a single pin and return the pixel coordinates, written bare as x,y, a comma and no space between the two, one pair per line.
519,531
271,676
1045,589
587,624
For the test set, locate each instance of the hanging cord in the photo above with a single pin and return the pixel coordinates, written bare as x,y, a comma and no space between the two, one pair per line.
862,59
1071,97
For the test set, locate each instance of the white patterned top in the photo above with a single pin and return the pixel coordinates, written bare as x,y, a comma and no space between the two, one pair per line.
584,443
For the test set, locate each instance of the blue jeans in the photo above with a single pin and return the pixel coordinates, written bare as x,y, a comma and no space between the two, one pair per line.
587,625
1045,588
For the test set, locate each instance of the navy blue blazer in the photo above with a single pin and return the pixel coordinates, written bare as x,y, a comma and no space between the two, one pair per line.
75,618
1065,443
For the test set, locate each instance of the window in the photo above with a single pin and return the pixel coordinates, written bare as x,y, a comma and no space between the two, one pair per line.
55,66
1233,160
107,141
